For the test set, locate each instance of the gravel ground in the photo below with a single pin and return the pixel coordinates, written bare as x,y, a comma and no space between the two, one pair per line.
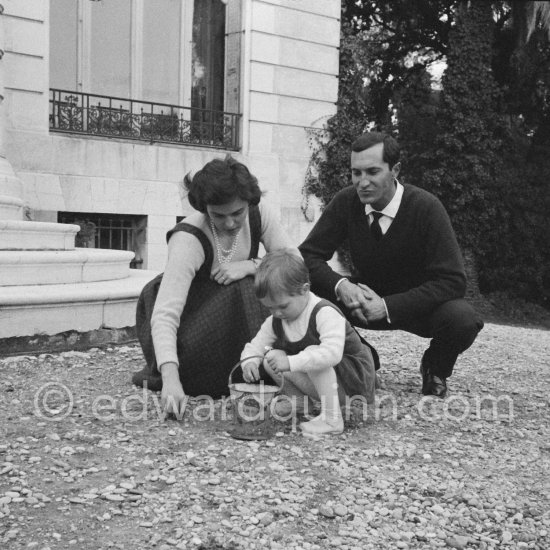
86,462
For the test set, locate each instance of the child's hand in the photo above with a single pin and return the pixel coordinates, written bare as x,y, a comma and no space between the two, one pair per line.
251,371
277,360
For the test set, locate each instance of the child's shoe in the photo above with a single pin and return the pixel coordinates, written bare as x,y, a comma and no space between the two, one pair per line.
320,426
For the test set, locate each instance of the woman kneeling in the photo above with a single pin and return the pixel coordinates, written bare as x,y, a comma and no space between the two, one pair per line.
193,320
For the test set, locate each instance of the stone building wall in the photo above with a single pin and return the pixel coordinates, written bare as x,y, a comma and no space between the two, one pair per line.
288,82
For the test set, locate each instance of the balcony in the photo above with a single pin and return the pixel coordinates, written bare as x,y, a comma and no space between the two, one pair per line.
91,114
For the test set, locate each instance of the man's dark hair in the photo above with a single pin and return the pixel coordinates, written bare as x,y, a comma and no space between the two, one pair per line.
221,182
370,139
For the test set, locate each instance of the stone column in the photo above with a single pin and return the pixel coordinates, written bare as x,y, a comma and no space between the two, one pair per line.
11,187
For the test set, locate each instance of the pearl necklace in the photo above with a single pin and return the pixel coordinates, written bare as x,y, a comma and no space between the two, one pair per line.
224,256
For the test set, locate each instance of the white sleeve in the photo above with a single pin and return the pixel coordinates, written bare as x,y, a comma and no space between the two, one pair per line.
274,236
332,334
265,337
185,257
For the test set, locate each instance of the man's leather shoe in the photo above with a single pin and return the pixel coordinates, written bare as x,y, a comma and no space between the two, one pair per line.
432,384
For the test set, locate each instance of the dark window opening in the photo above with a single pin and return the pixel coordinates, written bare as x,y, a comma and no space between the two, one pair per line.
208,59
111,231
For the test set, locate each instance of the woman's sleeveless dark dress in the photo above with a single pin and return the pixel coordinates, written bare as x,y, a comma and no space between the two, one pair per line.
217,321
355,373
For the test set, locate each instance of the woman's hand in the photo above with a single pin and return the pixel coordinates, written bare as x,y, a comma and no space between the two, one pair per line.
277,361
173,398
228,273
251,371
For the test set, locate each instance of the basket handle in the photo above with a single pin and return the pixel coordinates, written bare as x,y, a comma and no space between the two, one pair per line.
239,363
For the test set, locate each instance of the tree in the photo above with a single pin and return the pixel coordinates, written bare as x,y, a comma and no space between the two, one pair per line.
463,165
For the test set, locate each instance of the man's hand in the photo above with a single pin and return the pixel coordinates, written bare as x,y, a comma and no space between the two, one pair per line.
173,398
364,303
230,272
354,299
251,371
375,310
277,361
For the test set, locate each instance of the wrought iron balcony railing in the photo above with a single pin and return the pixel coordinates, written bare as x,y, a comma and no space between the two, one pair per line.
92,114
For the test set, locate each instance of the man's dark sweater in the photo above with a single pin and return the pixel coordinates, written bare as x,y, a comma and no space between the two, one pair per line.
416,266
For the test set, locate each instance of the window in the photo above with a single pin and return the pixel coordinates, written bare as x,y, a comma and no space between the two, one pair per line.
162,28
113,231
146,69
208,56
109,47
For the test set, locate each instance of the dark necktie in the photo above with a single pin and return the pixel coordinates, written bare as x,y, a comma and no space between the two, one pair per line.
375,228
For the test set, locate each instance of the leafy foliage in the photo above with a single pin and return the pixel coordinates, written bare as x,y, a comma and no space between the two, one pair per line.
328,170
462,167
482,165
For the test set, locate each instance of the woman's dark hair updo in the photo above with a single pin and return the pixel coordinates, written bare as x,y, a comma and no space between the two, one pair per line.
221,182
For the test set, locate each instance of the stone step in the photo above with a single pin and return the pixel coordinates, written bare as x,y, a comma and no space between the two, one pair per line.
53,309
81,265
27,235
11,208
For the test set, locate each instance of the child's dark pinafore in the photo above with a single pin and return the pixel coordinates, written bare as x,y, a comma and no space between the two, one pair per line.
355,373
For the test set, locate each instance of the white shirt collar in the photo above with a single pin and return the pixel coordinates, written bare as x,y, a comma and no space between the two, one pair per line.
393,206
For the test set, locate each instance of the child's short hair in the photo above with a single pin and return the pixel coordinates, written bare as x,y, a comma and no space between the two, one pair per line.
281,272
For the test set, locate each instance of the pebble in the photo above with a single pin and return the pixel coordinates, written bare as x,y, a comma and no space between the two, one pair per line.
197,519
75,354
16,359
266,518
458,542
326,511
113,497
340,510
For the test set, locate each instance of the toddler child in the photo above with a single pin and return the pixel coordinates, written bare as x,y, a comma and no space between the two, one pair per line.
309,342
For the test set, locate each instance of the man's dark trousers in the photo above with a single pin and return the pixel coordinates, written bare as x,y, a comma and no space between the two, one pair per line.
452,326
